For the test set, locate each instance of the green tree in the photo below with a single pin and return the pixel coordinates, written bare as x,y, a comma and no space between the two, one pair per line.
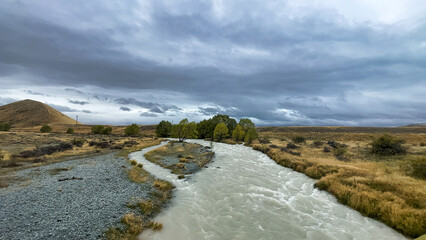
184,130
238,133
163,129
205,129
132,130
70,130
246,124
250,135
107,131
220,132
4,126
45,129
230,122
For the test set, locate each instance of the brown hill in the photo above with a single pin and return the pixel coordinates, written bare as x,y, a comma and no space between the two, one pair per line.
29,113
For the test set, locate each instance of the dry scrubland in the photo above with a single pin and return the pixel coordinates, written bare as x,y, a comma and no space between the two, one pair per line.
391,189
22,148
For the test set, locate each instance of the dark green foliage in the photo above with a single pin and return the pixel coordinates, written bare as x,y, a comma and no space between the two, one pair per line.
100,129
298,139
163,129
132,130
229,122
184,130
250,135
5,126
45,129
77,142
387,145
70,130
205,129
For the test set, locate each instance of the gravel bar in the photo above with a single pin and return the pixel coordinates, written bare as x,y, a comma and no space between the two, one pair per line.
77,199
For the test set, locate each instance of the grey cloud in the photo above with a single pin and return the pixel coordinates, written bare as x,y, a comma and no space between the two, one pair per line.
62,108
125,109
87,111
148,114
214,60
153,107
78,102
34,93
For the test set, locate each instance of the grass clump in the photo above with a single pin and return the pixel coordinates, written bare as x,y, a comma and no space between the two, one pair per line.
387,145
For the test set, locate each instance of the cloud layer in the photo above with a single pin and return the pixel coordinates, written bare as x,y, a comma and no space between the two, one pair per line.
279,63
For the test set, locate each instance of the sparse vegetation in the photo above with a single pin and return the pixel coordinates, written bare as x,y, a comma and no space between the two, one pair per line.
132,130
46,129
78,142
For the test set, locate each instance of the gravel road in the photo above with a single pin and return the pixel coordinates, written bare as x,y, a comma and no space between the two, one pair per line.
77,199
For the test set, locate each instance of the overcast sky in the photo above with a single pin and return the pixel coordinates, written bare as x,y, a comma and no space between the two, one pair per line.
295,62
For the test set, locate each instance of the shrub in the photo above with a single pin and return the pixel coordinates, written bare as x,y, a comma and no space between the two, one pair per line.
100,129
70,130
317,144
132,130
133,162
46,129
422,144
298,139
334,144
340,153
387,145
4,126
326,149
78,142
292,146
140,165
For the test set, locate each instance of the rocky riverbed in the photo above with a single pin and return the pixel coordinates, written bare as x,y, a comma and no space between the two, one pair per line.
77,199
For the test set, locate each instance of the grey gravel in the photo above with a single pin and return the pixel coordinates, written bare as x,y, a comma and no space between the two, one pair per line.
91,199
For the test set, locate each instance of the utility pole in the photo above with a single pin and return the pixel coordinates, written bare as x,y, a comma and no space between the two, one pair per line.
76,120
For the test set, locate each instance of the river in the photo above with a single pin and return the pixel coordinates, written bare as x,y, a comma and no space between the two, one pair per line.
244,194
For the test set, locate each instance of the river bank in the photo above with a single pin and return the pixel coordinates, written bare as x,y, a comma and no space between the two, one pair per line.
244,195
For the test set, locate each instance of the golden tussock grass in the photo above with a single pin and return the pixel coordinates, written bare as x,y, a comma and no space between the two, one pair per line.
391,189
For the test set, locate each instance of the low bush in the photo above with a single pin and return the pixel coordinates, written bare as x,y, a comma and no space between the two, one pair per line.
46,150
100,129
387,145
45,129
133,162
326,149
317,144
132,130
292,146
5,126
298,139
340,153
70,130
102,144
77,142
335,144
422,144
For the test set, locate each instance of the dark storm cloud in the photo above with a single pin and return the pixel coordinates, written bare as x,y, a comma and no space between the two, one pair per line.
125,109
78,102
153,107
253,63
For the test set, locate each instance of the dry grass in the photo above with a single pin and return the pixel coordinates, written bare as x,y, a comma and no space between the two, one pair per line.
390,189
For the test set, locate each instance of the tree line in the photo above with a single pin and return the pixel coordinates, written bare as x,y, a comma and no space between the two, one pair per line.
217,128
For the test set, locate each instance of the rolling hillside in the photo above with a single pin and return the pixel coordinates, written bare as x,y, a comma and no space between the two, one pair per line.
29,113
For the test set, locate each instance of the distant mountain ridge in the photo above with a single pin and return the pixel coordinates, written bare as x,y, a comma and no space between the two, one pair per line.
29,113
